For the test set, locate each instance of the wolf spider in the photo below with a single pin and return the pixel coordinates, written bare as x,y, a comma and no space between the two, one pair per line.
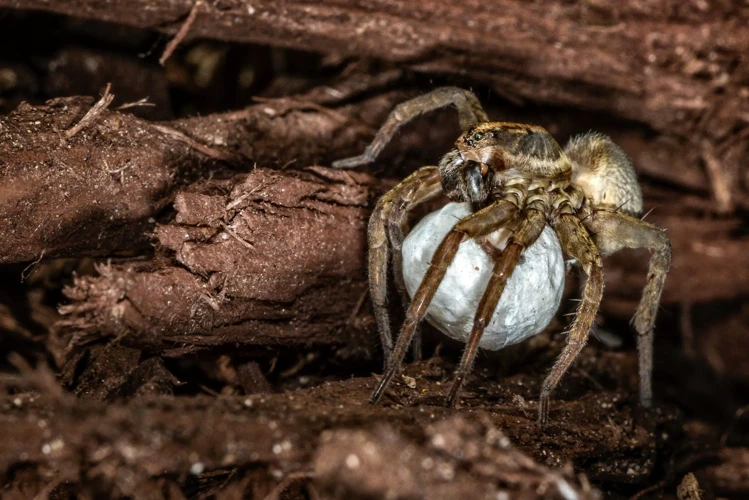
511,172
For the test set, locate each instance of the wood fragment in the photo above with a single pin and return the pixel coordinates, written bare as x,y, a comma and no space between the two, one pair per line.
136,104
689,488
210,152
182,33
546,53
210,287
93,114
719,179
137,169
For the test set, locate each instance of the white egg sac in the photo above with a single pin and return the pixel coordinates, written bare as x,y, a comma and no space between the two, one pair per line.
530,299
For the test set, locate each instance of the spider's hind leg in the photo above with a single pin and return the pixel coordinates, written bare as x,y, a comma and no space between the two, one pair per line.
391,209
397,227
470,113
530,229
577,243
614,231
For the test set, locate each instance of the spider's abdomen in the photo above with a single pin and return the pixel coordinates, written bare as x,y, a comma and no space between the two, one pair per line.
530,299
604,173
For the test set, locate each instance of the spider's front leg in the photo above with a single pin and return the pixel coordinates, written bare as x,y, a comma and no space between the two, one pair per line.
530,229
470,113
614,231
578,244
480,223
385,230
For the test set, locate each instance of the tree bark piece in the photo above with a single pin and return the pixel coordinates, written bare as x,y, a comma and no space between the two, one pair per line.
649,54
266,258
460,458
678,67
277,258
708,263
117,448
97,192
90,194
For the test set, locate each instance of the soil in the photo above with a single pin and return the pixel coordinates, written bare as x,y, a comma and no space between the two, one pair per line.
184,310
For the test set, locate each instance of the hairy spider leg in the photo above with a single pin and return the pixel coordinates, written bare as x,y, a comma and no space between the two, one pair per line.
385,231
469,108
578,244
480,223
613,231
533,223
397,226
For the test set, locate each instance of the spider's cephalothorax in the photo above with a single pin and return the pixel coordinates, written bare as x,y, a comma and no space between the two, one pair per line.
514,175
492,156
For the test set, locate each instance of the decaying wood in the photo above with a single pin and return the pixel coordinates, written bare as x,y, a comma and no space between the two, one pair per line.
266,258
708,264
657,77
90,193
275,258
459,451
96,191
435,453
237,265
678,67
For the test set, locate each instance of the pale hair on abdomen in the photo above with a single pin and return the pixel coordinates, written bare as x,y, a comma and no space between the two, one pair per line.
604,172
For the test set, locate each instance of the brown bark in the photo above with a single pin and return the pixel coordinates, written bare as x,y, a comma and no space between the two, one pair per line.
708,263
663,73
275,258
248,283
97,191
265,258
678,67
90,193
118,448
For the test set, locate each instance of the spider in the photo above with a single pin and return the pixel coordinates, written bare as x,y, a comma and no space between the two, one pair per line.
513,174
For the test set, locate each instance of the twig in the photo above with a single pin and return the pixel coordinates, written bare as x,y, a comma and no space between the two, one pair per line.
206,150
719,181
136,104
93,113
24,274
239,238
239,200
210,391
181,34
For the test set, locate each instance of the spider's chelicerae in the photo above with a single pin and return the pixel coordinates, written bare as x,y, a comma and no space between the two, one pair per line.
514,175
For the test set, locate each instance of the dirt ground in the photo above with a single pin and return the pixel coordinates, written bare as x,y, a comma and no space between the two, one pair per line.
184,309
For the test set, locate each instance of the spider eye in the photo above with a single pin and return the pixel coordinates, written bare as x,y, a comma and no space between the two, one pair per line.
478,136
